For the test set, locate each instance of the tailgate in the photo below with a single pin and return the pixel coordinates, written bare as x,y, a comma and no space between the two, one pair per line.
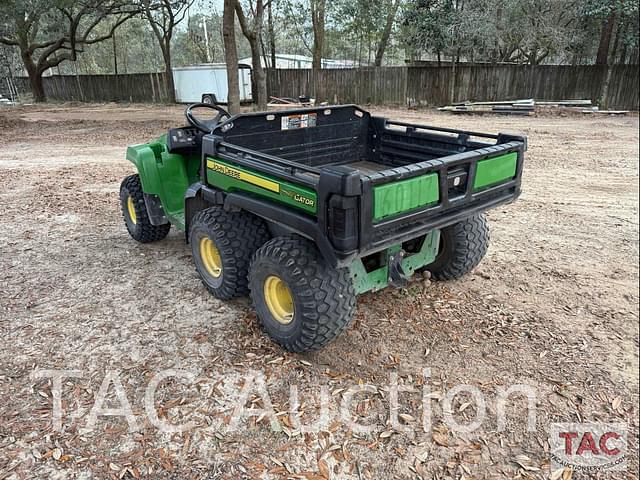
401,203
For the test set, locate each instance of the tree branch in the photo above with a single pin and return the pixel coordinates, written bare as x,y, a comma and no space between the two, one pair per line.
111,31
242,19
9,41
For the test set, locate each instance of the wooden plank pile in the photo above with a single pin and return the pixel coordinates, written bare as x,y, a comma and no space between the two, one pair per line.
5,101
280,103
504,107
527,107
564,103
606,112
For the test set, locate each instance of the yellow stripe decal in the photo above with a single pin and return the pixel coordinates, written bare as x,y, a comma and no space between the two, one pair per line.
244,176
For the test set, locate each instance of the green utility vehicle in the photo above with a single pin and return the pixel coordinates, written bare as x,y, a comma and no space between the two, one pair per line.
305,209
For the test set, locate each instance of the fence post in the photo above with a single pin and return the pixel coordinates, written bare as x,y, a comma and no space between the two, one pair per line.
405,85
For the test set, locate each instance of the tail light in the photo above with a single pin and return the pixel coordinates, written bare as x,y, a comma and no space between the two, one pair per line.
343,222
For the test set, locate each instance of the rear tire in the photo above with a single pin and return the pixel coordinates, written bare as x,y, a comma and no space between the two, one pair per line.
134,212
462,247
301,302
222,244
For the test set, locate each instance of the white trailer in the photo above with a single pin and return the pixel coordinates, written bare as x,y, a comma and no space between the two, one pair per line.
207,83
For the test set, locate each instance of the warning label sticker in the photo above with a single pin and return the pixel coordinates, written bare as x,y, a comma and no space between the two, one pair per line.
292,122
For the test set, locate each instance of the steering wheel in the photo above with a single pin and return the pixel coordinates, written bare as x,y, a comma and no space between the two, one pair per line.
206,126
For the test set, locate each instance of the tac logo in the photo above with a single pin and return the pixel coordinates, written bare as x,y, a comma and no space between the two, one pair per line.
588,447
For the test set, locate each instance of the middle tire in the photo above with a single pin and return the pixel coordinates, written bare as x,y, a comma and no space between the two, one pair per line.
222,244
301,302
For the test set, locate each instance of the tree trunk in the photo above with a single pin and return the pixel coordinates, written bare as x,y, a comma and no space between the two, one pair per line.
623,52
231,56
272,36
318,21
602,58
35,79
168,75
386,33
452,85
258,74
604,93
115,55
253,34
620,27
37,87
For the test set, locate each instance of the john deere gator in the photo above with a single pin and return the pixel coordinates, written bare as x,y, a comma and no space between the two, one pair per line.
305,209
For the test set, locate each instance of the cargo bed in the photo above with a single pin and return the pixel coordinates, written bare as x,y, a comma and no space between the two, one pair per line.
359,183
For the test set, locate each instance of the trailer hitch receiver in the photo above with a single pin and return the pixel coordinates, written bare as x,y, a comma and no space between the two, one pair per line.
397,275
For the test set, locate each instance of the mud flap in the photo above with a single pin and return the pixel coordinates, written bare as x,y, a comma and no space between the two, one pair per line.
154,209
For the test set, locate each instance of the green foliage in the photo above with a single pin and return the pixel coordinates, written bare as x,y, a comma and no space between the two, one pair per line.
523,31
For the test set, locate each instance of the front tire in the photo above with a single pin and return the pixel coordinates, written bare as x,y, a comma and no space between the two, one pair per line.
462,246
134,212
222,244
301,302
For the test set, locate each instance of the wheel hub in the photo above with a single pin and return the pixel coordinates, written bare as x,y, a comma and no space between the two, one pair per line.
210,257
279,299
131,208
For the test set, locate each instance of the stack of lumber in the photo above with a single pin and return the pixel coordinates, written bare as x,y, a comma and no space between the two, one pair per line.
564,103
527,107
505,107
583,106
286,102
605,112
5,101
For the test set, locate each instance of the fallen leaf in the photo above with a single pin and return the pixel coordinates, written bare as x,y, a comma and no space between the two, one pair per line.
440,439
323,468
406,417
615,404
422,456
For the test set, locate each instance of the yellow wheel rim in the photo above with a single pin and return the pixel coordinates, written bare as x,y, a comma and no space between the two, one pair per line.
210,257
278,299
132,209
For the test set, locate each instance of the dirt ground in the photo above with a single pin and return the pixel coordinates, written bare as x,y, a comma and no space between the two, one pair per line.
554,306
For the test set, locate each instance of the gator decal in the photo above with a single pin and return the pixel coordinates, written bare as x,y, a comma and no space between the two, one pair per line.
297,197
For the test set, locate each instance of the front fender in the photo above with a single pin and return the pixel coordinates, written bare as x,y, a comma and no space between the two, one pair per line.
165,175
144,157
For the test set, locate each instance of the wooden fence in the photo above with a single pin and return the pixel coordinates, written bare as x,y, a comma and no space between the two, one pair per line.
424,85
436,86
133,87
